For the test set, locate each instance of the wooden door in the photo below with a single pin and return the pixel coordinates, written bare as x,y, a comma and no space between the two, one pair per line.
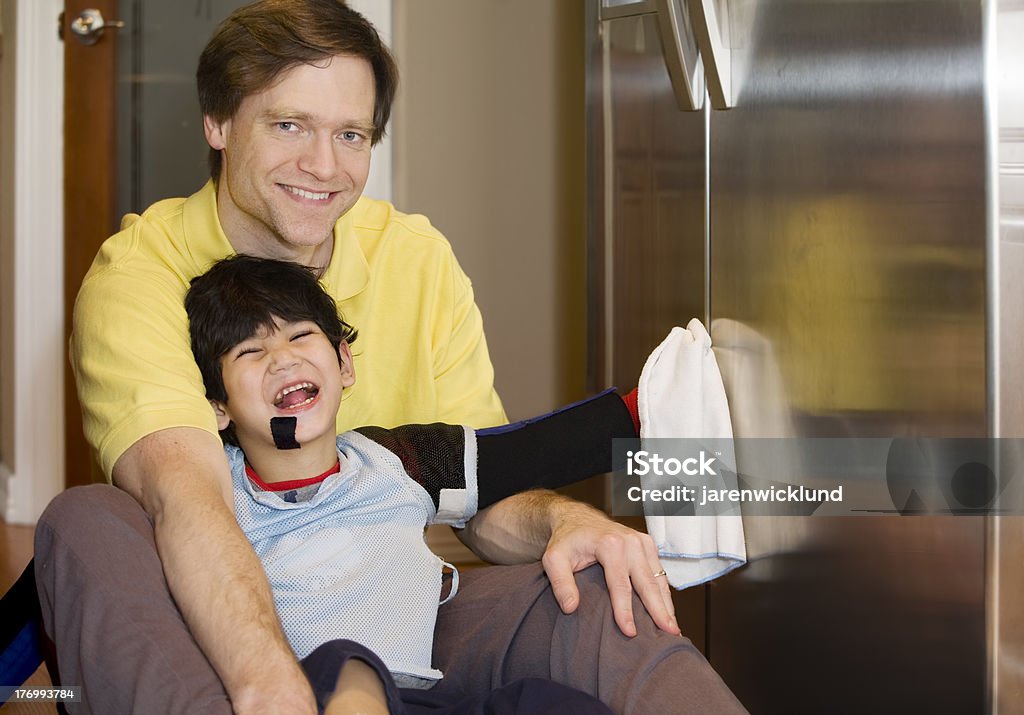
90,182
133,136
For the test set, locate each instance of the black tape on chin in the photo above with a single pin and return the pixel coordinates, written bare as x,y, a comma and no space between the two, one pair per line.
283,430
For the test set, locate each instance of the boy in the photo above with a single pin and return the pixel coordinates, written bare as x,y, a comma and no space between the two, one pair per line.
337,520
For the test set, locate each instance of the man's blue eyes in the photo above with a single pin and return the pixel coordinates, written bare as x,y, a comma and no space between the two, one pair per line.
291,127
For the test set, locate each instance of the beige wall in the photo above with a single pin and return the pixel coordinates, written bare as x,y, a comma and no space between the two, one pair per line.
6,234
489,143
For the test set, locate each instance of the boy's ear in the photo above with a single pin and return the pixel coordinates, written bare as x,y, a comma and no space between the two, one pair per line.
223,418
348,368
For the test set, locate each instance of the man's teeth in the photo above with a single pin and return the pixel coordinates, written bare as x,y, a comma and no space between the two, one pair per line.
316,195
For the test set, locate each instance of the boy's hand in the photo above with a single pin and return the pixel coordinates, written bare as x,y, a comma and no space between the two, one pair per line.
359,691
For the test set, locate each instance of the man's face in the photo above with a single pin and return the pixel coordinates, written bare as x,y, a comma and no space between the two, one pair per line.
295,158
292,371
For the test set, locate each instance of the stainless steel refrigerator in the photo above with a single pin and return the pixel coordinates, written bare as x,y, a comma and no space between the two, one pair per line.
837,188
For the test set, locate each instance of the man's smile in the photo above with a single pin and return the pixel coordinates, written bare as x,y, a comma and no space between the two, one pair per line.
307,194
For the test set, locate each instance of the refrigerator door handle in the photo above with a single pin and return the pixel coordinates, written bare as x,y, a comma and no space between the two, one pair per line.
611,10
678,43
682,55
717,57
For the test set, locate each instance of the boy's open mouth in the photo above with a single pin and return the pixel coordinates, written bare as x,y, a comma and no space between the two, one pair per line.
297,395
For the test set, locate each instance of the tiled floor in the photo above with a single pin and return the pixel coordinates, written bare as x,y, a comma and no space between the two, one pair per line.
15,553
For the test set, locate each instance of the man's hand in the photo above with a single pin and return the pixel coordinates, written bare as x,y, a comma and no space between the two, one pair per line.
568,536
582,536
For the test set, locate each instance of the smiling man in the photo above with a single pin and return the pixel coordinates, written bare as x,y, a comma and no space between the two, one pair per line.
151,592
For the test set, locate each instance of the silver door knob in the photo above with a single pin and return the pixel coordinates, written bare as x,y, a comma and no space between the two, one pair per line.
89,25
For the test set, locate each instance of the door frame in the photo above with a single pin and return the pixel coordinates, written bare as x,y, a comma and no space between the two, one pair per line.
34,470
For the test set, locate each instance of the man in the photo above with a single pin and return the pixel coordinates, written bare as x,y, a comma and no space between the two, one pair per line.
294,94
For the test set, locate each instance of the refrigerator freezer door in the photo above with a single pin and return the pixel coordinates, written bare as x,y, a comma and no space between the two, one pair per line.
848,231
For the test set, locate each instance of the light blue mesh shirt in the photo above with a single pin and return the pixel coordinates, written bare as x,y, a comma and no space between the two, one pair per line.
351,562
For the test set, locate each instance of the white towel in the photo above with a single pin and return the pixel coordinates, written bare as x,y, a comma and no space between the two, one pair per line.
681,395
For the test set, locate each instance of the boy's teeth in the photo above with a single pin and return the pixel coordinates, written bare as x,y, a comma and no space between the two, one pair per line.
294,388
304,402
319,196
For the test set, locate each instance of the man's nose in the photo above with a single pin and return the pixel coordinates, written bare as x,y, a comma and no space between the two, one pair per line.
318,157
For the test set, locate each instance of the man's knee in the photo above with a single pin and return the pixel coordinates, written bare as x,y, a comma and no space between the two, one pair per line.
594,589
91,522
84,507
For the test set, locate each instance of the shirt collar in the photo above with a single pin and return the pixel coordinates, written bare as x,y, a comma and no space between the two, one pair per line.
204,237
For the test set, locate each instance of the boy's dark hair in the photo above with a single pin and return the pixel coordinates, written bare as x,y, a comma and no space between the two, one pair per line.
238,296
256,43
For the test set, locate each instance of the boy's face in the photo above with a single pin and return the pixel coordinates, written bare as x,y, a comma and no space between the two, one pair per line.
292,371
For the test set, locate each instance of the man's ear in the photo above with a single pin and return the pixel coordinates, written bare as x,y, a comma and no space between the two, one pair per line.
348,368
216,132
221,410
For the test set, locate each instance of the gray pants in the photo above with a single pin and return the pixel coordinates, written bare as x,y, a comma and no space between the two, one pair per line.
119,634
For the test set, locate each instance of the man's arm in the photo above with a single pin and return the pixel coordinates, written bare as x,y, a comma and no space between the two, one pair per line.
180,477
568,536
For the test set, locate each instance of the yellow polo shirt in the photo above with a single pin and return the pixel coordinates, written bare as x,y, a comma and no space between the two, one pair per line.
421,355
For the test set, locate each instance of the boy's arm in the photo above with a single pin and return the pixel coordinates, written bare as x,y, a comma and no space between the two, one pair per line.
180,477
553,450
